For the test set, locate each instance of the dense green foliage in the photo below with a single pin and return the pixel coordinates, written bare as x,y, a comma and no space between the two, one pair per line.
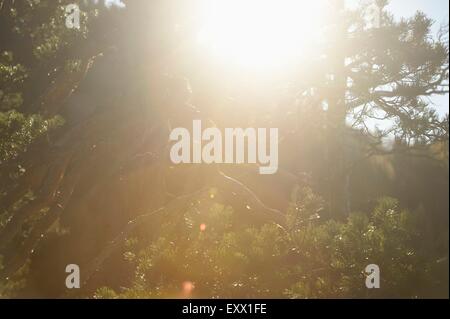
309,259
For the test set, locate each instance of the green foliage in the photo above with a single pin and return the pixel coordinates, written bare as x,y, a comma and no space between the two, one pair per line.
311,260
18,131
340,252
11,77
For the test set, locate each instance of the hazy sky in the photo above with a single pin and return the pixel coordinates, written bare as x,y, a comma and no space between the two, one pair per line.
437,9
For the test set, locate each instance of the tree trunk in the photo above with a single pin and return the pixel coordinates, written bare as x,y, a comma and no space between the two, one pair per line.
336,123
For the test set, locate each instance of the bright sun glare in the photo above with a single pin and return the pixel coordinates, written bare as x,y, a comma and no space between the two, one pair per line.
259,33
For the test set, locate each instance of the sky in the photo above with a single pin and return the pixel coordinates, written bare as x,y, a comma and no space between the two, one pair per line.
436,9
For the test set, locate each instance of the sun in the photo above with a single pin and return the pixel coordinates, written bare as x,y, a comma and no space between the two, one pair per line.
260,33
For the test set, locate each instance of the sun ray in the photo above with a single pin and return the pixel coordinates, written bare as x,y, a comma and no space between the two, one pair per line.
260,33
